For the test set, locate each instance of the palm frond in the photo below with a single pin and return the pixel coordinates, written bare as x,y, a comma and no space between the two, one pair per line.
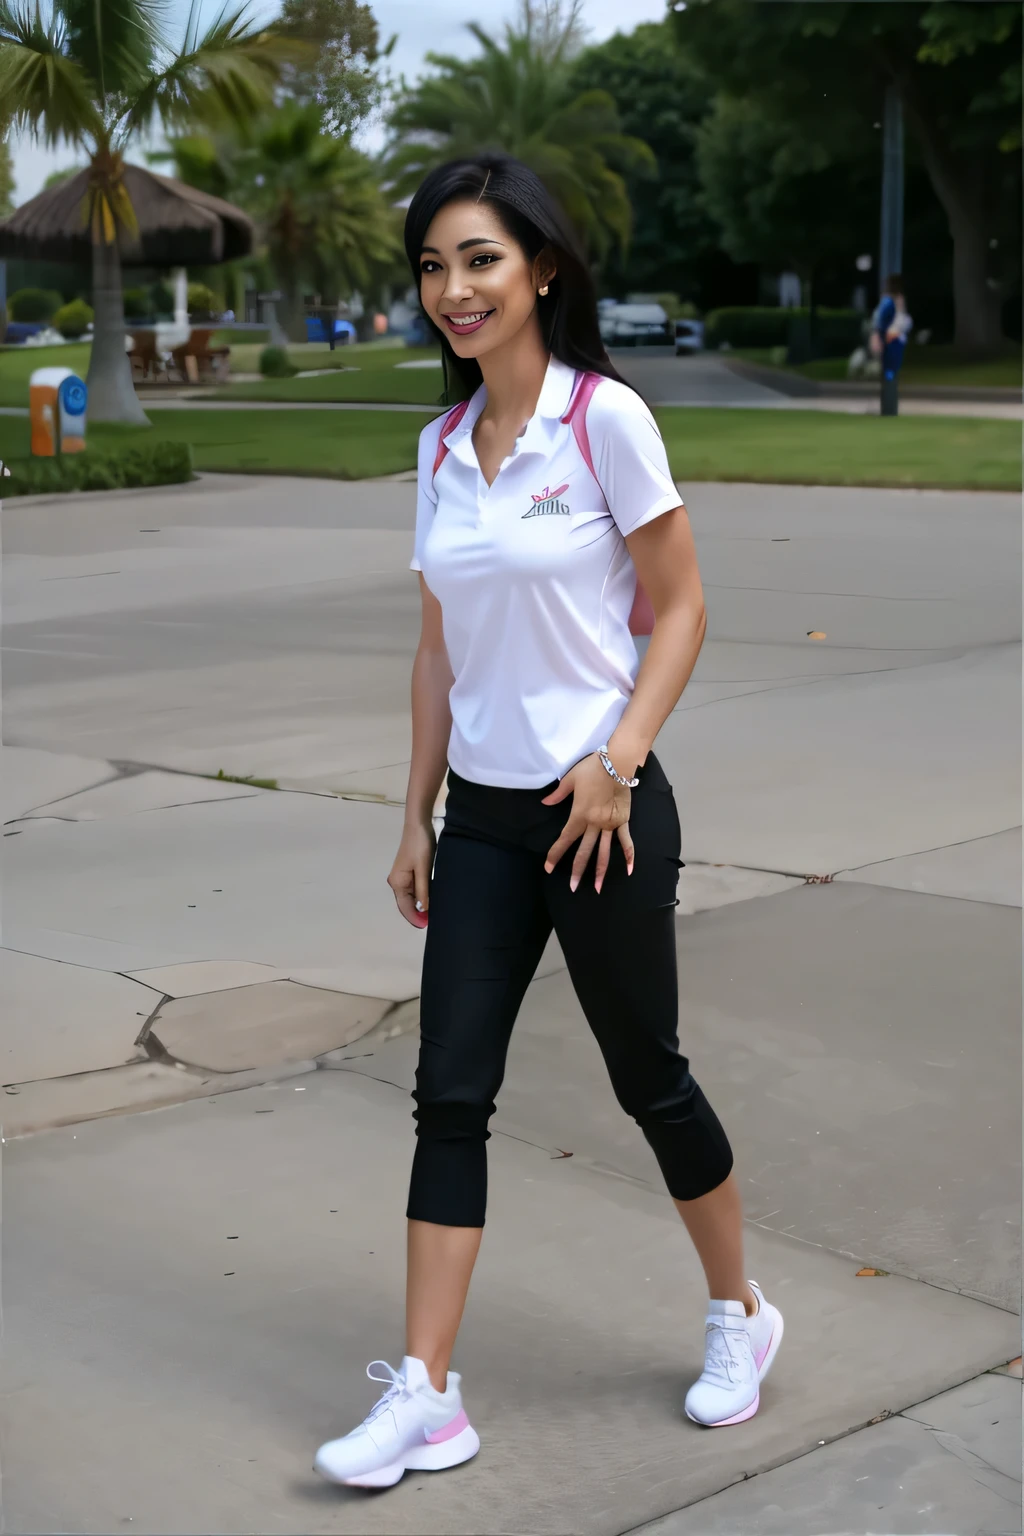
225,74
41,87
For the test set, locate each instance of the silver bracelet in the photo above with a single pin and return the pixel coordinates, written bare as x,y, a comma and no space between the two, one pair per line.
609,768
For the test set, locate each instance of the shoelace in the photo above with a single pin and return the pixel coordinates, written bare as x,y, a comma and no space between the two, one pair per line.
396,1390
728,1352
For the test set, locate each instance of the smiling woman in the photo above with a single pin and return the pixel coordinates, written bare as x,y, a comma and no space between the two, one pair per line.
541,500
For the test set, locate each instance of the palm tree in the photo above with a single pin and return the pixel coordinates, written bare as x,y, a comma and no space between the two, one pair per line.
6,175
322,218
96,72
516,96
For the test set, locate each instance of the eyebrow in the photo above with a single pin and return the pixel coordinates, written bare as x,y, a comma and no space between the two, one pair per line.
463,245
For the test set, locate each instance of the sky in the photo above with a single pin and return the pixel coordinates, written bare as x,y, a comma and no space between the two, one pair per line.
422,26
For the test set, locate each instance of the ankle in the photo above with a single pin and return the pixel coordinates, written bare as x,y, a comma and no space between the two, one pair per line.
437,1369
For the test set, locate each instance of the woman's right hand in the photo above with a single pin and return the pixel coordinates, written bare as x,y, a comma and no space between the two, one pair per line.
410,874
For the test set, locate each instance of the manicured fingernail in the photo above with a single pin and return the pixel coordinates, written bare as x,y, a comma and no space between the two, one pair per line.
597,886
419,906
548,868
573,883
629,869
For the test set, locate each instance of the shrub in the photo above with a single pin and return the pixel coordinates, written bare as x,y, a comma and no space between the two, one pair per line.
33,304
837,331
201,300
141,464
137,304
161,299
74,319
276,364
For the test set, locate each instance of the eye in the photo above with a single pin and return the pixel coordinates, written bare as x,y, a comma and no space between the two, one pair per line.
430,266
484,259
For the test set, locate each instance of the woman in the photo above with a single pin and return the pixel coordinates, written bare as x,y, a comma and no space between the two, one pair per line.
527,690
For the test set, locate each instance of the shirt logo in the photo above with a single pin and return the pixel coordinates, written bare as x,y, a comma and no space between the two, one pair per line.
547,503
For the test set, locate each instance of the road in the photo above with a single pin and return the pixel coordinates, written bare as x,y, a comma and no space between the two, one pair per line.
849,947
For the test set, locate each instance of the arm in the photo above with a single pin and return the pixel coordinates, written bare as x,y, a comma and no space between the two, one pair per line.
431,727
666,564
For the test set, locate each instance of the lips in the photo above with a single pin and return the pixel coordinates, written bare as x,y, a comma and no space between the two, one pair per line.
465,325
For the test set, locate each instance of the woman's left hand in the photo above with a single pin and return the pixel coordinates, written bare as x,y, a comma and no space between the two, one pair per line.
600,810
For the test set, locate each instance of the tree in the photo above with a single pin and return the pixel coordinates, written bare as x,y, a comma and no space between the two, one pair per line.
782,198
96,72
323,222
6,177
661,97
342,74
516,95
957,68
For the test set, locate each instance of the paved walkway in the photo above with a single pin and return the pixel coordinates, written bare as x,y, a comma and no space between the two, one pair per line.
187,1312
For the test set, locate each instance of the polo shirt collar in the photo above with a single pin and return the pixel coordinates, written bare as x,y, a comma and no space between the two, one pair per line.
552,404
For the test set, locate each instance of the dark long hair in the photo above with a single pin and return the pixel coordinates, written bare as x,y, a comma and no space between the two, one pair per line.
568,312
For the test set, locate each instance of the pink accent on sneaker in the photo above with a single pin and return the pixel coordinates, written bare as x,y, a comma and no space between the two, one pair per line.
739,1418
457,1425
760,1359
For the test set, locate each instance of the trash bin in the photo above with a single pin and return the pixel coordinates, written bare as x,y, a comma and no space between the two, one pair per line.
56,403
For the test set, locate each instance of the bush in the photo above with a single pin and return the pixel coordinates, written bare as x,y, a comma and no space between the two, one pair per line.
74,319
142,464
161,299
202,300
33,304
837,332
276,364
137,304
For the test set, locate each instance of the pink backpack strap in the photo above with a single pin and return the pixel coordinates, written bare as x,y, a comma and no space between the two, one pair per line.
641,618
449,424
576,415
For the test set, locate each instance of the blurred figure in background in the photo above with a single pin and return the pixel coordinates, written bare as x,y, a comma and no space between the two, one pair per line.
890,327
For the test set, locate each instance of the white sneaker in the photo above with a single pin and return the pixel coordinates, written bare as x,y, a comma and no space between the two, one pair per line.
739,1351
413,1428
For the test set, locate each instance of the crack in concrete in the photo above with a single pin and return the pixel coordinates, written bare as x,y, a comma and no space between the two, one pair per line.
855,1429
915,853
811,594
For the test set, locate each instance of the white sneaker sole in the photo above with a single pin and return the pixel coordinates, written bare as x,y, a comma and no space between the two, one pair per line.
437,1457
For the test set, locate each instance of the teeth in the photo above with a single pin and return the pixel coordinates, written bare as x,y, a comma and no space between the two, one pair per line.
469,319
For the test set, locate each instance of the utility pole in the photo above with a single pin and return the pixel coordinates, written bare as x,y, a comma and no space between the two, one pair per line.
890,256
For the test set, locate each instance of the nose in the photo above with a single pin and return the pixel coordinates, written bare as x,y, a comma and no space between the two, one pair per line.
458,287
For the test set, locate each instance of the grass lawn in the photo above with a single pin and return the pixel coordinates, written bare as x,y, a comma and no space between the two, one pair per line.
347,445
787,447
360,373
16,363
922,365
830,448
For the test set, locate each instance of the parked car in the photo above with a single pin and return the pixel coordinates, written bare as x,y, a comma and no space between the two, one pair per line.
689,336
624,325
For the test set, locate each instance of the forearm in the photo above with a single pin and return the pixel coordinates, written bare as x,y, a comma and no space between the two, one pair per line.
664,672
431,729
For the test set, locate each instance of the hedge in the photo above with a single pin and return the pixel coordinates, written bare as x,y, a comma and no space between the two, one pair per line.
30,304
837,331
156,463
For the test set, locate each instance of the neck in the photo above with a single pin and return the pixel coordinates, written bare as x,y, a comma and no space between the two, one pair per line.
513,375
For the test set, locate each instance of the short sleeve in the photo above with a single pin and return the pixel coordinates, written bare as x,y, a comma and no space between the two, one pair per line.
426,499
629,457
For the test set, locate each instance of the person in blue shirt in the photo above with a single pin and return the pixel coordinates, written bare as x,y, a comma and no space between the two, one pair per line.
890,327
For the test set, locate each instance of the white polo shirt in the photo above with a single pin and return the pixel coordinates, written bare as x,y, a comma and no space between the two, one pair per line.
534,579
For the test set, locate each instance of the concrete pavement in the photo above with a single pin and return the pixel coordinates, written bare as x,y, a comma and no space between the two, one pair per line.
186,1312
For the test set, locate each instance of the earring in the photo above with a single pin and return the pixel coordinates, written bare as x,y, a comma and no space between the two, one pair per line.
543,292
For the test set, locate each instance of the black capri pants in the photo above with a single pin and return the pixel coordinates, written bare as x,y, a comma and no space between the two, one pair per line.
492,909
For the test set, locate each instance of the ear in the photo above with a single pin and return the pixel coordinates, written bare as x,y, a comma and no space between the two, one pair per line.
544,268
